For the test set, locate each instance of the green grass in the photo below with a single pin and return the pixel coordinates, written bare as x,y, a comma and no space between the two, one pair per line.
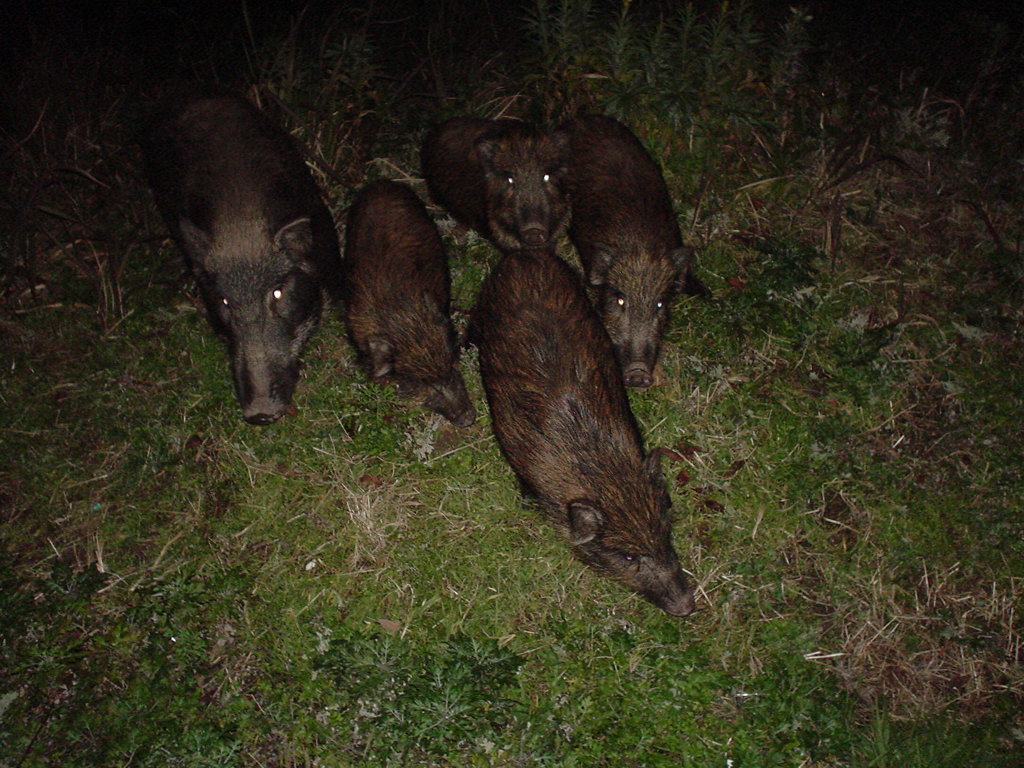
360,583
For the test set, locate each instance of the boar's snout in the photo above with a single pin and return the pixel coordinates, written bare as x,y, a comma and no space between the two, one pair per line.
455,405
463,418
534,236
638,375
263,410
679,606
673,595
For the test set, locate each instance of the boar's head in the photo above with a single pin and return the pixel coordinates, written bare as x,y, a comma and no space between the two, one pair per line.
262,297
628,537
634,290
525,179
424,366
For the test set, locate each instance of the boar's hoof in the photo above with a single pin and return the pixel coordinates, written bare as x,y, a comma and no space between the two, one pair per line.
638,376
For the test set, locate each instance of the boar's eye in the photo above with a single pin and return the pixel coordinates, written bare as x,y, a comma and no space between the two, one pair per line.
620,300
659,303
277,294
547,178
225,302
628,557
511,181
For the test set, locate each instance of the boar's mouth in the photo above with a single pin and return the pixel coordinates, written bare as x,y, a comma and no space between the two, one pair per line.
263,411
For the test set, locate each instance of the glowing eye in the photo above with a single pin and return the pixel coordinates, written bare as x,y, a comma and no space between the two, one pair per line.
277,293
225,302
660,304
511,181
628,558
620,300
547,177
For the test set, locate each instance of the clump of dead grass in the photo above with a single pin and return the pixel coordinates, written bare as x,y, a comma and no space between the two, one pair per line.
950,643
378,511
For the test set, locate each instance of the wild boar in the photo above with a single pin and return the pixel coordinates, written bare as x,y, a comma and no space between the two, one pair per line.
504,178
396,299
628,240
242,206
562,420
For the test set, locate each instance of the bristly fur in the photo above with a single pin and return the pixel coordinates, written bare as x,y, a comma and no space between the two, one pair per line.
246,213
562,419
397,288
625,231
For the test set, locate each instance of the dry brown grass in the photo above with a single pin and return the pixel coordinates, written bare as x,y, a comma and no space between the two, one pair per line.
948,644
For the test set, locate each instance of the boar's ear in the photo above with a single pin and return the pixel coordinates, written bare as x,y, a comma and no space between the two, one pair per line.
681,259
485,149
602,262
381,354
585,522
295,237
197,243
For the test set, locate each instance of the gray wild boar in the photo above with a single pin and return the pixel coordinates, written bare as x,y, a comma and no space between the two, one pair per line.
242,206
504,178
560,414
396,299
628,240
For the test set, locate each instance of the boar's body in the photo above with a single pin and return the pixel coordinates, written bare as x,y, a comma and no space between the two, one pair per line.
560,414
503,178
396,299
242,206
625,231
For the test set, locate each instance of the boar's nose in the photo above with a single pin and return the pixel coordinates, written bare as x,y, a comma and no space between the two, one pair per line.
680,607
638,375
464,418
534,236
262,411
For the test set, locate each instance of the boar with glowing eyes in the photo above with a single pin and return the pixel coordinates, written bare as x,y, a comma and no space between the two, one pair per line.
562,420
625,231
503,178
242,206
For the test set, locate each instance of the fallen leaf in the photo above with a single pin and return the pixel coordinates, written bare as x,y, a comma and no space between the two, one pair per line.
736,283
735,467
669,454
371,481
389,626
687,450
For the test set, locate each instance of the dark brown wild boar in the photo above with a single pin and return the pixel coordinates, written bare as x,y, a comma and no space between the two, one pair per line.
628,240
562,419
504,178
397,299
241,204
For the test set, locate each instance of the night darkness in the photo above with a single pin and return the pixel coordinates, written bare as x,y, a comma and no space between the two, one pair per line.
349,579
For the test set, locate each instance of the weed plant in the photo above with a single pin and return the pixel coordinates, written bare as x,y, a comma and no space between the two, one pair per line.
360,584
